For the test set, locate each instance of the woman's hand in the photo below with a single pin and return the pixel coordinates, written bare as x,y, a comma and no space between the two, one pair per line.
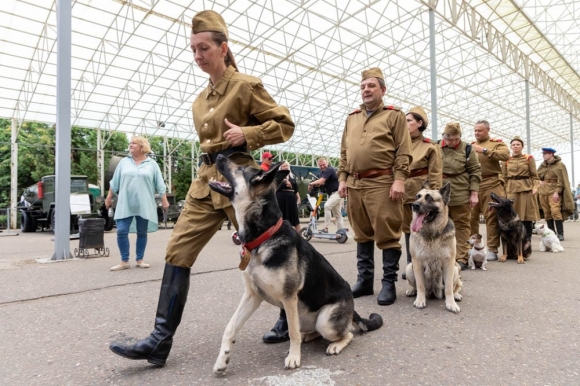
108,202
164,203
235,135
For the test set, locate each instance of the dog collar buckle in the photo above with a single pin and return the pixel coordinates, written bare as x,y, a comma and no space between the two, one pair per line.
247,247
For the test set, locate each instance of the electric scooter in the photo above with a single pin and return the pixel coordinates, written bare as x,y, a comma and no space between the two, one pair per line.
310,231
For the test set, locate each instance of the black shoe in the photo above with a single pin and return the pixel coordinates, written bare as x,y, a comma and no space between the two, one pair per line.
172,297
388,294
362,288
279,332
462,265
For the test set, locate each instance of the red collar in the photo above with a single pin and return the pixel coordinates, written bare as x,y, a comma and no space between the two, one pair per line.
264,236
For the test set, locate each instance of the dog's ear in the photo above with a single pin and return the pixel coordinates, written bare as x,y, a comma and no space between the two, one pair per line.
266,178
426,185
446,193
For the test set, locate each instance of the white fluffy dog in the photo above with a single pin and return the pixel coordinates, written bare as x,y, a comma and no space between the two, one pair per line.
549,240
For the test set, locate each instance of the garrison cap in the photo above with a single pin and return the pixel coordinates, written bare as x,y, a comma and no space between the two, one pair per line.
374,72
209,21
517,138
548,150
422,113
452,128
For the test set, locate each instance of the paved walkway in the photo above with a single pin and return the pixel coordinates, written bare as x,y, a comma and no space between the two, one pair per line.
518,323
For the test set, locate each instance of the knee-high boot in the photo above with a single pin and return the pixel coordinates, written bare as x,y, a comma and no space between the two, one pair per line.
172,297
550,224
528,226
388,293
560,229
365,263
407,243
279,332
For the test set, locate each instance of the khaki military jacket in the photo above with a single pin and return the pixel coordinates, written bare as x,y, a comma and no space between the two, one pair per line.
490,162
556,170
462,171
520,174
425,155
243,100
379,141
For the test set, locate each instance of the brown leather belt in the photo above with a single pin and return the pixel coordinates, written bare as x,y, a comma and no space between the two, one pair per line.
452,175
486,176
550,180
518,178
372,173
418,172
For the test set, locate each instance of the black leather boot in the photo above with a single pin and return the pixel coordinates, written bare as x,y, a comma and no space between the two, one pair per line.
172,297
407,238
550,224
528,226
279,332
560,229
365,263
388,293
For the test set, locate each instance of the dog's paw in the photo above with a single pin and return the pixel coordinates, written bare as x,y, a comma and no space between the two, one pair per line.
221,363
453,307
542,249
334,348
555,250
292,361
483,269
472,267
420,303
309,337
411,292
458,297
521,260
502,258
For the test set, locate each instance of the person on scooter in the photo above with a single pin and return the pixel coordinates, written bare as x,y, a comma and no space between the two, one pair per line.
329,180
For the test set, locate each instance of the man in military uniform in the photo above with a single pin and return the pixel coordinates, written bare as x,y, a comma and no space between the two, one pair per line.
461,168
375,155
555,195
490,151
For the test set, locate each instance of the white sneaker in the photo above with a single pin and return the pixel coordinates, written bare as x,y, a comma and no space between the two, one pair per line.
120,267
491,256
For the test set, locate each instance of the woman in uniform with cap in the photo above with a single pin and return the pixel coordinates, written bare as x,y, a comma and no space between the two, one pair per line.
426,164
232,116
522,184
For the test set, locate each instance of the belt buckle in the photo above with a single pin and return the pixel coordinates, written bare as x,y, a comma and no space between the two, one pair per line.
205,158
356,176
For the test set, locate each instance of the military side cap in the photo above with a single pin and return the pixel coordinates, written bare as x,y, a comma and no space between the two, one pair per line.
548,150
422,113
517,138
452,128
208,21
374,72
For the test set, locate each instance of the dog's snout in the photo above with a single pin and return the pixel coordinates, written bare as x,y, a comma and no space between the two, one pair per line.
416,207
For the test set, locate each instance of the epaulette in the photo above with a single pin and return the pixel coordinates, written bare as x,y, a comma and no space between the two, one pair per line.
391,107
355,112
496,140
428,140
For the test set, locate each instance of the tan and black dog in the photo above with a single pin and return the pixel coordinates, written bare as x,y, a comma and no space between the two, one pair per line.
514,242
433,271
283,269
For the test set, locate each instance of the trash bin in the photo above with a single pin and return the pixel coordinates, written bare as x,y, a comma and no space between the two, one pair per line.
91,235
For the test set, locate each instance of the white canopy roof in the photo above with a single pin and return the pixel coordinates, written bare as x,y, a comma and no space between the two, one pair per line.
133,70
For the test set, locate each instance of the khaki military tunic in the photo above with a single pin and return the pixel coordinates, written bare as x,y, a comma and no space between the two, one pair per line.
490,183
378,141
426,164
555,177
521,179
463,172
243,100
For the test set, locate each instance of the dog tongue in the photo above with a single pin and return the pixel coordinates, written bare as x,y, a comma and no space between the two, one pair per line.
417,223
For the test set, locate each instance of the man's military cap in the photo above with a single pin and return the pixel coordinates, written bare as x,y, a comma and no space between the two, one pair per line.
452,128
548,150
517,138
374,72
211,21
422,113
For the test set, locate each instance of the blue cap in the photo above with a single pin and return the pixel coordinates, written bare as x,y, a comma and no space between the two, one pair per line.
548,149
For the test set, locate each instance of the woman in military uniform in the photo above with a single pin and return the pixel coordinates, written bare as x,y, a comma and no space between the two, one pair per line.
232,116
522,184
426,165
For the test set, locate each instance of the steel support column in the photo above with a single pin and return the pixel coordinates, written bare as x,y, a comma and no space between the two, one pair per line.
13,173
528,120
433,68
572,149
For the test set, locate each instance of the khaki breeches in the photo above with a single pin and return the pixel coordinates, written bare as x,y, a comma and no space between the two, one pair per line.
552,210
374,216
196,225
491,227
460,215
407,218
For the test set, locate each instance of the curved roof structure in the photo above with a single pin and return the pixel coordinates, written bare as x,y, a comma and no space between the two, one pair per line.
133,71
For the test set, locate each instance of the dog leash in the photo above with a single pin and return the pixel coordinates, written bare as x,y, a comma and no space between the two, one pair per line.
247,247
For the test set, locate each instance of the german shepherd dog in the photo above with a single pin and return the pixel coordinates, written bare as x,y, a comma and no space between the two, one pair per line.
512,232
433,270
284,269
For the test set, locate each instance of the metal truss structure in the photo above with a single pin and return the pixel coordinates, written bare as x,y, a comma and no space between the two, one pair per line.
133,71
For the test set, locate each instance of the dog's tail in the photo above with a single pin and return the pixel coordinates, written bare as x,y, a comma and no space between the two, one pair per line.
374,322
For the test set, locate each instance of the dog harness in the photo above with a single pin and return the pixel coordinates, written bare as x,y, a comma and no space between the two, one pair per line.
248,247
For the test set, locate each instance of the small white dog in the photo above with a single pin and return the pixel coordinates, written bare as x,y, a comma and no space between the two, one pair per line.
549,240
478,252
